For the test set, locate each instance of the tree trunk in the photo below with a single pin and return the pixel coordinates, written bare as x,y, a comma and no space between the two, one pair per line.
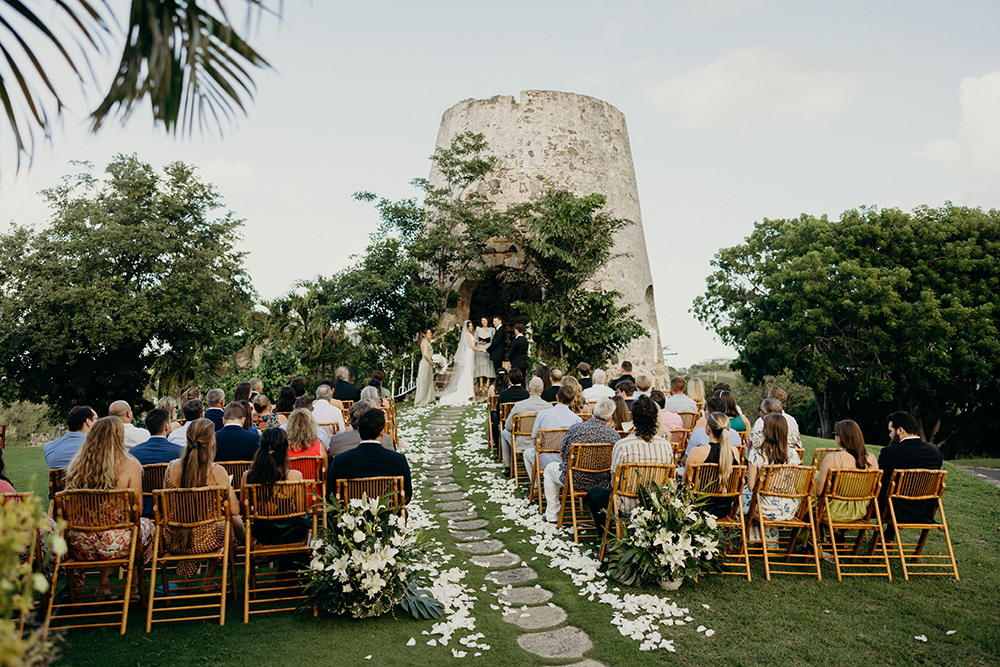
825,418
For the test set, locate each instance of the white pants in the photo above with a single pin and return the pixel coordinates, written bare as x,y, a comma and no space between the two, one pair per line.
505,447
529,461
553,491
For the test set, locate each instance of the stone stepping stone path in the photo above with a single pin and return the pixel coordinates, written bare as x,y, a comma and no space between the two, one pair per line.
530,611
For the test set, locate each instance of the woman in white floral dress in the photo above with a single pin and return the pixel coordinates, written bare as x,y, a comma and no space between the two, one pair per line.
770,447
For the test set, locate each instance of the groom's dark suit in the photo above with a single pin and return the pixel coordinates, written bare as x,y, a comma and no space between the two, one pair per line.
498,348
519,354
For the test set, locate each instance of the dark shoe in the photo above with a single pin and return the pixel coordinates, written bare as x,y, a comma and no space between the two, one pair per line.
506,472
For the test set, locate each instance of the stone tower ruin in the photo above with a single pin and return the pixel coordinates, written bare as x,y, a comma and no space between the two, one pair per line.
562,140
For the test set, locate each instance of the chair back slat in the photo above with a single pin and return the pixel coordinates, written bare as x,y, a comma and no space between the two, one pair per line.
15,497
331,428
688,419
190,508
152,477
523,424
281,500
852,484
550,439
786,481
821,453
633,476
311,467
91,510
373,487
235,469
57,481
705,480
585,416
917,484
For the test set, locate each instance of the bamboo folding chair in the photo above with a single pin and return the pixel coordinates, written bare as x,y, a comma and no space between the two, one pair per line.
492,405
97,511
331,428
821,453
313,469
390,427
705,480
34,548
745,437
374,487
548,441
57,483
677,442
795,482
583,458
235,470
917,484
742,450
152,477
284,501
860,486
522,426
629,478
688,420
585,416
202,510
505,409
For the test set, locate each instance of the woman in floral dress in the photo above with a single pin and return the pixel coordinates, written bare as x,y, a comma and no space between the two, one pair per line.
770,447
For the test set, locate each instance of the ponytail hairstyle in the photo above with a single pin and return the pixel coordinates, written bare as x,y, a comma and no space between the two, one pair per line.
199,456
270,463
853,441
775,444
95,465
718,424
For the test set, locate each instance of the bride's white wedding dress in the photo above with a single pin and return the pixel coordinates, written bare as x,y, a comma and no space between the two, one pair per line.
462,388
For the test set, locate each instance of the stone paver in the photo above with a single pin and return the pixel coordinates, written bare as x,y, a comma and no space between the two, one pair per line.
446,488
525,595
457,495
442,481
454,505
459,516
516,576
568,642
468,525
536,618
484,547
442,472
469,535
497,560
586,663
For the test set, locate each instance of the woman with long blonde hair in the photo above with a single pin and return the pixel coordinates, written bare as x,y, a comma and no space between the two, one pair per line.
303,438
103,463
720,451
696,392
577,404
169,404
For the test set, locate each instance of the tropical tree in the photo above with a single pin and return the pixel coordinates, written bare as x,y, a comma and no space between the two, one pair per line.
136,280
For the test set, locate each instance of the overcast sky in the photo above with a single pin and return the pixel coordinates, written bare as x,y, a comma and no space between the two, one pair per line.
737,110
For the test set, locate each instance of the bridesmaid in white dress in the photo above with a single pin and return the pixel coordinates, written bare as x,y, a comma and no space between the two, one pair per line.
462,389
484,366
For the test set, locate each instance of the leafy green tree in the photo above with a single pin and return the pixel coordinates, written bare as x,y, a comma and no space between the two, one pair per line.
880,310
135,280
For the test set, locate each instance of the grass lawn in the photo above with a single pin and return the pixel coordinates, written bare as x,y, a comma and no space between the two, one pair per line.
786,621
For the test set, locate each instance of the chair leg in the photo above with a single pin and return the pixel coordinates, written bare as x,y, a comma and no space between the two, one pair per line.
947,539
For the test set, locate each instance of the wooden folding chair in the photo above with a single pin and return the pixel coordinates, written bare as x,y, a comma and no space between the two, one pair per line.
522,426
34,547
629,478
285,502
203,511
912,485
742,449
390,428
492,405
860,486
505,409
745,437
57,483
583,458
821,453
97,511
331,428
374,487
313,469
548,441
585,416
235,470
152,477
705,480
688,420
795,482
677,442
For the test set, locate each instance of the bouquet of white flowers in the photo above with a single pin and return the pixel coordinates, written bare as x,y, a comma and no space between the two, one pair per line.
359,566
667,538
440,363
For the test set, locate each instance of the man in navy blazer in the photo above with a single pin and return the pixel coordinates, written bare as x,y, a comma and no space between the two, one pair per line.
907,450
370,458
519,349
216,399
232,443
157,449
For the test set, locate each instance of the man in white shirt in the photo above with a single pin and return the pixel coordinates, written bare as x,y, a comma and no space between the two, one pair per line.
678,401
133,435
193,409
598,390
558,416
773,405
324,412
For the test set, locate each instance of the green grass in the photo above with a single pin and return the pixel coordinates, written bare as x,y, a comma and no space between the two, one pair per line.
786,621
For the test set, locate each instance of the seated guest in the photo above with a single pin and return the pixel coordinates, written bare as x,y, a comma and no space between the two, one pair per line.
626,375
284,405
621,420
232,443
555,377
529,406
379,377
190,394
103,463
373,397
577,404
157,449
298,385
344,390
325,412
906,450
248,419
696,392
778,394
671,420
242,392
598,389
512,394
369,458
263,417
302,435
59,452
593,431
644,445
333,401
270,465
349,439
193,409
772,448
195,469
216,399
133,435
626,389
643,385
306,403
543,372
852,455
678,402
699,436
735,420
583,370
719,450
256,387
558,416
170,405
772,406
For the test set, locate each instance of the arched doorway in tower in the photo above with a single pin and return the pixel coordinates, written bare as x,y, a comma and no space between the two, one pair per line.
493,297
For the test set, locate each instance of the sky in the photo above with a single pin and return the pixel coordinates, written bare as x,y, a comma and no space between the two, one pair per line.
737,110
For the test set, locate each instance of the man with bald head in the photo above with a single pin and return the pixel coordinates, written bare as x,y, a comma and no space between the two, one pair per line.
549,394
133,435
529,406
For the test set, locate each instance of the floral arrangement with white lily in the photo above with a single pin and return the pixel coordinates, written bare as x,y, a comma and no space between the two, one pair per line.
360,564
667,537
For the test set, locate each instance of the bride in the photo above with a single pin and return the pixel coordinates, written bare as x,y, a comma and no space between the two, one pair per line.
462,389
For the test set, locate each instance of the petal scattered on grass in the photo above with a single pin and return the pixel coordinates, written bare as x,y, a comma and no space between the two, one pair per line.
922,638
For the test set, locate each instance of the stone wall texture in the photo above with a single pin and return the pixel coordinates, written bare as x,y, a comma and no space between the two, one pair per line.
563,140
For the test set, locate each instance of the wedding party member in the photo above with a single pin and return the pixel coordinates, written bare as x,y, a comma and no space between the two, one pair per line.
907,450
462,387
519,349
583,370
719,450
558,416
497,349
772,449
593,431
852,455
369,458
425,374
484,370
59,452
529,406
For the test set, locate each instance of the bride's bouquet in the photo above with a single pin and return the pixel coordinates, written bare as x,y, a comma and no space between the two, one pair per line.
440,363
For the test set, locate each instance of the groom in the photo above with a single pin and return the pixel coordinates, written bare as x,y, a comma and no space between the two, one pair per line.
498,346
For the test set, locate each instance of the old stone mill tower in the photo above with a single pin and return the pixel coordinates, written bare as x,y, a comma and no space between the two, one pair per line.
551,139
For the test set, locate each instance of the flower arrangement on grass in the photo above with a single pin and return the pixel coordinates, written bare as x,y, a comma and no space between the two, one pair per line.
360,564
667,537
440,363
